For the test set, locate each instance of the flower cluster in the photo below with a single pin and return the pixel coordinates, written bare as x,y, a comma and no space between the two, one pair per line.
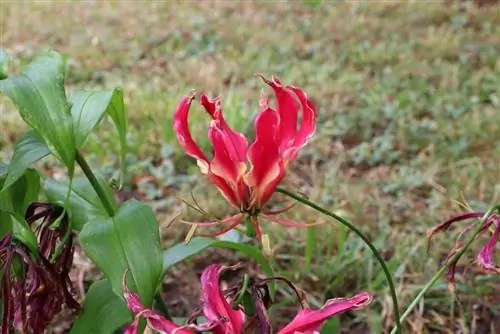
485,257
247,175
222,317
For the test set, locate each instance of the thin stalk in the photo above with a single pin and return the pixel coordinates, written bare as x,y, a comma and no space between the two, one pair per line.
95,184
443,268
367,241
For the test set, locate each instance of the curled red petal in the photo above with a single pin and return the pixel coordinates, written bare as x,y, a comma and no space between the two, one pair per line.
311,321
225,165
485,258
215,306
181,129
266,169
287,109
235,143
447,223
226,190
307,127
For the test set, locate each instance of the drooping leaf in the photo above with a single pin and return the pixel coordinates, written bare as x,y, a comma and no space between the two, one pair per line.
87,110
83,205
103,311
181,252
128,241
28,150
4,64
38,92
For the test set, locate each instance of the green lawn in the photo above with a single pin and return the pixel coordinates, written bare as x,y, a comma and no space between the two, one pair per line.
408,131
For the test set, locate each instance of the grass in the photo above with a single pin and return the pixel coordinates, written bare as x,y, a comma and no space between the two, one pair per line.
408,97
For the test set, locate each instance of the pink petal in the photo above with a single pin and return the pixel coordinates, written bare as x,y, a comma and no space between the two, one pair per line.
181,129
309,321
133,327
154,320
215,306
288,109
266,165
485,258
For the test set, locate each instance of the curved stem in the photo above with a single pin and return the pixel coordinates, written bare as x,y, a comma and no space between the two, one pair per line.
95,184
367,241
443,268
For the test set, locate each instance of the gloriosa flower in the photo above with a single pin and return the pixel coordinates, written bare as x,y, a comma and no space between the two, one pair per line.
247,175
485,257
36,286
223,319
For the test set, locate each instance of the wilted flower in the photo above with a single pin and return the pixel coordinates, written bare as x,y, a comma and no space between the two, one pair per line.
35,286
225,318
485,257
247,175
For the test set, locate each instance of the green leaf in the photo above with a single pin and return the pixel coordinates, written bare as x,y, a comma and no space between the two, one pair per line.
83,205
21,194
38,92
181,252
88,109
28,150
13,204
103,311
129,240
4,64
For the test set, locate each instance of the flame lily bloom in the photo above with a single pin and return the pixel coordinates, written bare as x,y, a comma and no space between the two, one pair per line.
485,257
247,175
221,318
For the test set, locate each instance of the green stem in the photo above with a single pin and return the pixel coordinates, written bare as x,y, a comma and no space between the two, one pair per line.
364,238
443,268
95,184
310,243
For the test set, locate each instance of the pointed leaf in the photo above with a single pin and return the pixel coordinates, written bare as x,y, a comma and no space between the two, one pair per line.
128,241
28,150
181,252
4,64
103,311
38,92
84,205
88,108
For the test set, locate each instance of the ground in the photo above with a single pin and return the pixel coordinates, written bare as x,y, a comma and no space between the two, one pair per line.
407,95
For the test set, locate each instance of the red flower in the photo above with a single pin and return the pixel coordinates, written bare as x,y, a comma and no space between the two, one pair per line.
221,318
485,256
247,175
